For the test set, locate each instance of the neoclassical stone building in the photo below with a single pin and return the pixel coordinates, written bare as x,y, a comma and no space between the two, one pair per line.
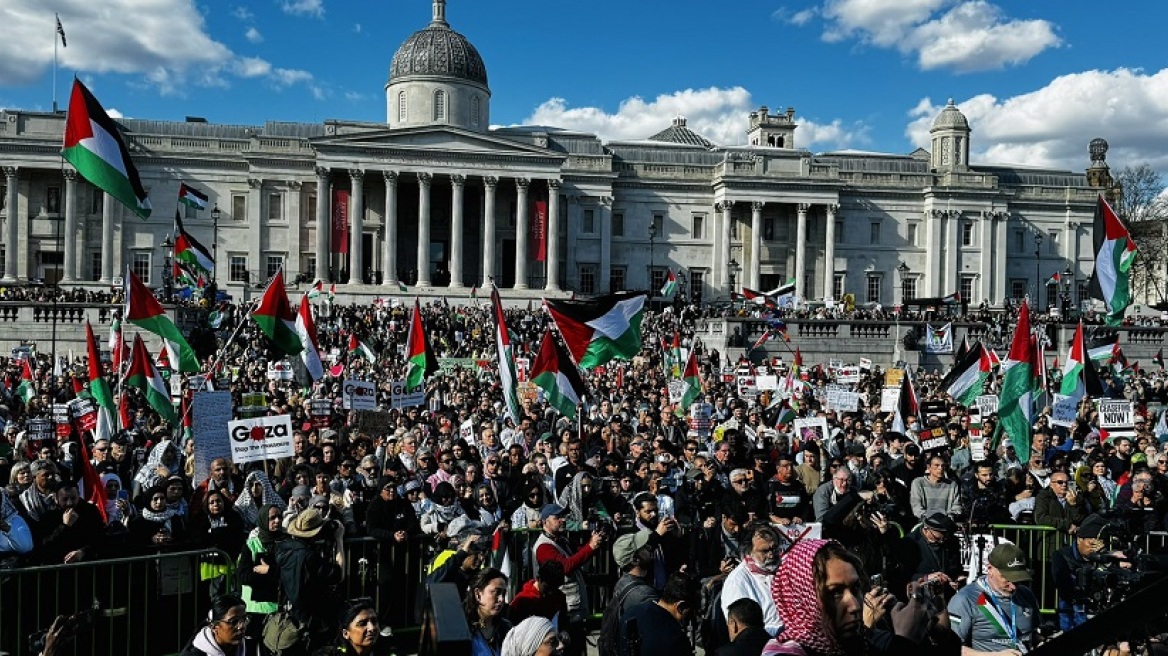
436,199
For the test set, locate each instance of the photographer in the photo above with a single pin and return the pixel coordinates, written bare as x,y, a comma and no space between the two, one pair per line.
552,545
1083,553
312,563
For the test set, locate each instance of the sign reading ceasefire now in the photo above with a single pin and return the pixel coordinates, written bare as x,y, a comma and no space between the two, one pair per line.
261,438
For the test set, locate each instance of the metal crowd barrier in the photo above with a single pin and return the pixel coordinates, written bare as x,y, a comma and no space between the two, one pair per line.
149,604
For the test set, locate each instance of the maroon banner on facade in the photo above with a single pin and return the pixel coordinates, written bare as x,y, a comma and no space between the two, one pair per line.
539,221
340,228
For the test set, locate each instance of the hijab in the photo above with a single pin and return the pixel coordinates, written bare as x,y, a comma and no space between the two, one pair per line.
573,499
266,537
147,476
799,606
525,638
248,506
149,513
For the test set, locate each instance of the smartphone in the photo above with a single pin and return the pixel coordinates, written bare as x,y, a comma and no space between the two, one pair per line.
876,582
123,495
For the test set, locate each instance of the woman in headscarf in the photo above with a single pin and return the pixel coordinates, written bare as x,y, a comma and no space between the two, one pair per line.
488,510
534,499
176,496
581,501
259,575
219,525
157,524
445,508
118,509
819,595
257,491
534,636
160,464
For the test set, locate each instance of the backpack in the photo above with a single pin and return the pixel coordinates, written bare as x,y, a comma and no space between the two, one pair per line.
608,640
281,633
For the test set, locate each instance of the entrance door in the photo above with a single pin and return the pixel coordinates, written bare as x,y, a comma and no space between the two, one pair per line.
368,276
50,267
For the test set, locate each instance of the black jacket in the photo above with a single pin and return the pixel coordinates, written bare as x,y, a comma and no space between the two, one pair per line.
748,643
307,577
384,518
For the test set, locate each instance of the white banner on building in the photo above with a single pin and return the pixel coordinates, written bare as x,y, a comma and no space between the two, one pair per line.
939,340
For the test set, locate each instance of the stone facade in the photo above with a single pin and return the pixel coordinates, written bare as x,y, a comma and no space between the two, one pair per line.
439,201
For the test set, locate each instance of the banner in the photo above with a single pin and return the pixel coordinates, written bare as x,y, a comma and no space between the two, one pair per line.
889,398
210,413
939,340
400,398
935,438
848,375
987,404
1064,411
62,419
466,431
320,410
262,438
358,395
339,240
537,249
1117,417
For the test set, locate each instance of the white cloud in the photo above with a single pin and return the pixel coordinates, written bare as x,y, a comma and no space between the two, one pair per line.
1052,126
253,35
961,35
720,115
800,18
242,13
357,28
304,7
114,113
249,67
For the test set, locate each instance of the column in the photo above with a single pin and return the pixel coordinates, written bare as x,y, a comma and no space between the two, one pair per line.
389,248
457,182
829,253
293,264
323,224
604,208
1001,283
69,242
724,247
553,237
10,237
107,238
756,244
932,254
521,230
575,222
490,182
986,234
424,180
357,226
952,252
801,251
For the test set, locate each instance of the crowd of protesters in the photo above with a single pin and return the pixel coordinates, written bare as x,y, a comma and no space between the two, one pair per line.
695,510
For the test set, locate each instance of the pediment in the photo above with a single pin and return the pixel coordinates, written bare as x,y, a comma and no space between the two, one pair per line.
430,139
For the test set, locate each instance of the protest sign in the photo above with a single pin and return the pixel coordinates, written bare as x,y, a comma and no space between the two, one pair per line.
466,431
62,420
376,423
85,413
399,397
210,413
936,438
892,377
39,430
360,395
865,364
766,382
987,404
1117,417
934,409
747,386
253,403
848,375
281,370
261,438
889,397
1064,411
811,429
795,533
677,390
320,410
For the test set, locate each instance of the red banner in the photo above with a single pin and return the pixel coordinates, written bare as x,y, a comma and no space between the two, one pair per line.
539,219
340,228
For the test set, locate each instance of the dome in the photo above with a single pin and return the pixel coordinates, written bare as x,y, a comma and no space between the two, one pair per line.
439,51
678,133
950,118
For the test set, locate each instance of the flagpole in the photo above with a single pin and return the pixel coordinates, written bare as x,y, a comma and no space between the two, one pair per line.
55,24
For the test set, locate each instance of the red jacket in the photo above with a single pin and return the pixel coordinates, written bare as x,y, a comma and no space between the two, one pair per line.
530,603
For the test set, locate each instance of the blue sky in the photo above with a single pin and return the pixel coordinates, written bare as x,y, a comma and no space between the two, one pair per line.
1037,78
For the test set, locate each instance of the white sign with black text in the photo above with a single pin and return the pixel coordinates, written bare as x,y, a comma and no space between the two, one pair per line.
261,438
359,395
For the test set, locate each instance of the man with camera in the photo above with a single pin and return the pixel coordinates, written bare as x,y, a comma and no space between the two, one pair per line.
996,615
1084,552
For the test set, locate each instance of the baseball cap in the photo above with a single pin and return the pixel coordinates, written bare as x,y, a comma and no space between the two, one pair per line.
1010,561
627,545
912,450
1092,527
941,523
552,510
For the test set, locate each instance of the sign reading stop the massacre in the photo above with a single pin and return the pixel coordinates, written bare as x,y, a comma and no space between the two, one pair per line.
260,438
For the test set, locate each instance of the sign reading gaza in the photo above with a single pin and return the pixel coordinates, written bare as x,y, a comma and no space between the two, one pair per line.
359,395
260,438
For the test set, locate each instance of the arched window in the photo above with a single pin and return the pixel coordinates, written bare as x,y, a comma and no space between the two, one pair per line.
475,108
401,107
439,105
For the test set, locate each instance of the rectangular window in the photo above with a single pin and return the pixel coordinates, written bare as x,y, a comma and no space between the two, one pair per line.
96,201
768,229
190,212
696,285
274,264
1017,289
618,224
53,200
1019,240
3,198
275,207
309,210
910,288
872,288
1082,294
733,227
659,225
874,235
589,227
95,265
141,266
239,207
238,268
3,255
587,276
1052,243
967,233
839,232
308,262
616,280
837,286
656,281
699,225
967,289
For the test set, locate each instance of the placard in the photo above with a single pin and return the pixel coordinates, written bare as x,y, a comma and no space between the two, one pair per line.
935,409
795,533
889,398
522,365
361,395
400,398
261,438
811,429
936,438
835,363
210,413
747,386
987,404
677,390
1117,417
85,413
843,400
466,431
865,364
62,419
40,430
375,423
254,403
766,382
848,375
1064,411
281,370
892,377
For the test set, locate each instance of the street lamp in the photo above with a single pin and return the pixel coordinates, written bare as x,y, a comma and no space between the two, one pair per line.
1068,276
903,270
1037,267
215,214
734,269
652,238
167,275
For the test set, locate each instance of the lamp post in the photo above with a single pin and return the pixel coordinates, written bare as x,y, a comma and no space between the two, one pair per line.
1037,267
903,270
652,239
1068,275
215,214
734,268
167,275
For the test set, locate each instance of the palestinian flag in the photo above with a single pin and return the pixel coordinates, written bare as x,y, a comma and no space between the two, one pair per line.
508,376
1103,349
602,329
420,357
500,560
968,378
762,339
26,390
907,405
192,197
692,380
1055,279
758,298
951,299
798,360
553,372
144,311
1072,382
144,376
94,146
670,287
275,318
1115,252
785,289
317,289
99,389
306,331
962,350
1158,359
358,349
188,250
93,489
401,287
990,612
1016,404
